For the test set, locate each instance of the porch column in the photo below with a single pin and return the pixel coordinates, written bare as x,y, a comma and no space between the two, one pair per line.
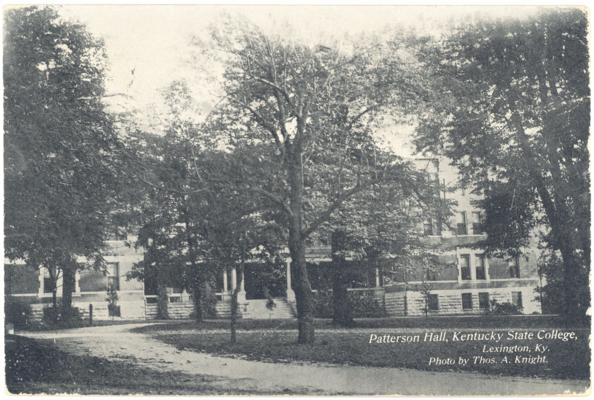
77,282
225,283
241,293
290,291
41,276
233,279
377,277
242,283
60,285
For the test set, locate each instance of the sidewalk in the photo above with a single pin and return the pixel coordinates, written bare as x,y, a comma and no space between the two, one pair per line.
116,342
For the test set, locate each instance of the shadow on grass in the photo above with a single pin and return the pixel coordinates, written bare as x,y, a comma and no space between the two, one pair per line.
437,322
266,341
39,367
82,323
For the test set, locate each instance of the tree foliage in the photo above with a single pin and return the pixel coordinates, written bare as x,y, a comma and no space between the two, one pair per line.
511,109
303,101
60,169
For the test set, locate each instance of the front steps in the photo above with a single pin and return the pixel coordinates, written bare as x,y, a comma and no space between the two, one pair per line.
258,309
248,309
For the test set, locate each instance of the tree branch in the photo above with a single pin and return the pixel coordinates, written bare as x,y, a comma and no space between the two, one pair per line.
272,197
324,216
266,125
361,114
276,88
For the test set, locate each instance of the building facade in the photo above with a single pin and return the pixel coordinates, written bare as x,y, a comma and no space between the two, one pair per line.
463,281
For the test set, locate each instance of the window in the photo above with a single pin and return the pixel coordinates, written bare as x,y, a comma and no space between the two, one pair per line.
517,299
484,300
47,284
113,276
433,302
514,267
477,223
480,267
465,267
467,301
461,224
428,227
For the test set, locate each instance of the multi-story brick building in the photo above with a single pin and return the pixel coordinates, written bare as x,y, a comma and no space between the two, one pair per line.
464,281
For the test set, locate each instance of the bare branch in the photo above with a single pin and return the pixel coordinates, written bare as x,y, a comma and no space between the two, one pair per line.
277,88
265,124
361,114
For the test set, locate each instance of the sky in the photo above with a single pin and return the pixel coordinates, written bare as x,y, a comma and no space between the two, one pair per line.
149,46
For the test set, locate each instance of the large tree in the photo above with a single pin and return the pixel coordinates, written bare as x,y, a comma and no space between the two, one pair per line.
379,228
511,109
237,227
60,170
302,98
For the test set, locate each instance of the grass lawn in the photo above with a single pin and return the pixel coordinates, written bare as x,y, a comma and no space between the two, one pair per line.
470,321
83,323
274,341
39,367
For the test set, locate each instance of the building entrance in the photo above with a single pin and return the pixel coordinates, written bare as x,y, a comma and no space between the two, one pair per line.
265,280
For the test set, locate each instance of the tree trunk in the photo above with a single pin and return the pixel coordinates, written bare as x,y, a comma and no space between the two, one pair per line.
558,217
567,234
343,312
576,296
198,290
68,282
54,288
303,293
235,304
162,300
197,298
234,309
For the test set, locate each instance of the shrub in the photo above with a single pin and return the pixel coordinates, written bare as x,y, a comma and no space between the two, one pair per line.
112,302
18,313
52,318
209,304
363,303
366,305
323,304
505,308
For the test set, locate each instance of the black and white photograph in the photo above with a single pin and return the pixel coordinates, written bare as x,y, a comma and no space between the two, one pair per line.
296,200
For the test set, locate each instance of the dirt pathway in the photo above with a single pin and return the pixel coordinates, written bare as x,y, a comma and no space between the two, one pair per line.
117,343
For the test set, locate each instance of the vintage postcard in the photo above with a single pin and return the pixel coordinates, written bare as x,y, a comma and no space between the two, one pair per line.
296,200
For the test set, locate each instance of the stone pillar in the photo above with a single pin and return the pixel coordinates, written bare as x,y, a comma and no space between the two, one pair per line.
290,291
225,283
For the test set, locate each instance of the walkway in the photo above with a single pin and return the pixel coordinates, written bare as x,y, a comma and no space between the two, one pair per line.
118,343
